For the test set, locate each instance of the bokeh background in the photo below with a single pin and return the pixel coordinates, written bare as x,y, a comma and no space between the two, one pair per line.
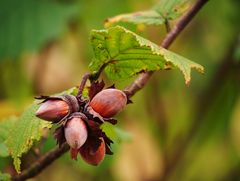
174,131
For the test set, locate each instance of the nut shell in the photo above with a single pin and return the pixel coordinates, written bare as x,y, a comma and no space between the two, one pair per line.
91,157
57,108
53,110
109,102
75,132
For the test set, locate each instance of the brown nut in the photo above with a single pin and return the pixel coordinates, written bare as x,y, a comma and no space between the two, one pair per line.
109,102
53,110
91,157
75,132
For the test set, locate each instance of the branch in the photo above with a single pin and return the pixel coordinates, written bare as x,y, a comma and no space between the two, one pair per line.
82,84
138,84
42,163
167,26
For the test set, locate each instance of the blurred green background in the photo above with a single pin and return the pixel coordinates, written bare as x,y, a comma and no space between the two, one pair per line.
178,132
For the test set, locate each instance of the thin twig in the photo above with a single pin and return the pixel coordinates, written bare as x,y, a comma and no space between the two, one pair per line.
138,84
42,163
95,75
167,25
82,84
91,77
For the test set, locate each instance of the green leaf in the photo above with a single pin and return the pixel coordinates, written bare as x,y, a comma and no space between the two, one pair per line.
114,133
26,130
171,9
124,54
72,91
3,150
5,176
5,127
32,24
164,11
150,17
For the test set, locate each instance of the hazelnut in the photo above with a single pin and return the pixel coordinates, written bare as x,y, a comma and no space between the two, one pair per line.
93,157
56,108
75,132
109,102
53,110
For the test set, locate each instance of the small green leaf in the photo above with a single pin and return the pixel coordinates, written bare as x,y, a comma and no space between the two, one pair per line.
109,130
171,9
27,129
5,127
115,133
5,176
124,54
164,11
72,91
150,17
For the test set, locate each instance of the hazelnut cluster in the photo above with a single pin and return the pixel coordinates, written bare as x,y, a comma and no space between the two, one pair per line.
80,120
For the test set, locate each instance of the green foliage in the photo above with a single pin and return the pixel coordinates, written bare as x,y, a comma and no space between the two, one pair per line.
3,150
150,17
124,54
32,24
27,129
5,176
5,126
72,91
171,9
115,133
22,132
164,11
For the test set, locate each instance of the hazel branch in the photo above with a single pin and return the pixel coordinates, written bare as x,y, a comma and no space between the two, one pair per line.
167,26
95,75
138,84
41,163
141,81
82,84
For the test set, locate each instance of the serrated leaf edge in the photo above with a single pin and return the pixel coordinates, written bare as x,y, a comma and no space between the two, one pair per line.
157,50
